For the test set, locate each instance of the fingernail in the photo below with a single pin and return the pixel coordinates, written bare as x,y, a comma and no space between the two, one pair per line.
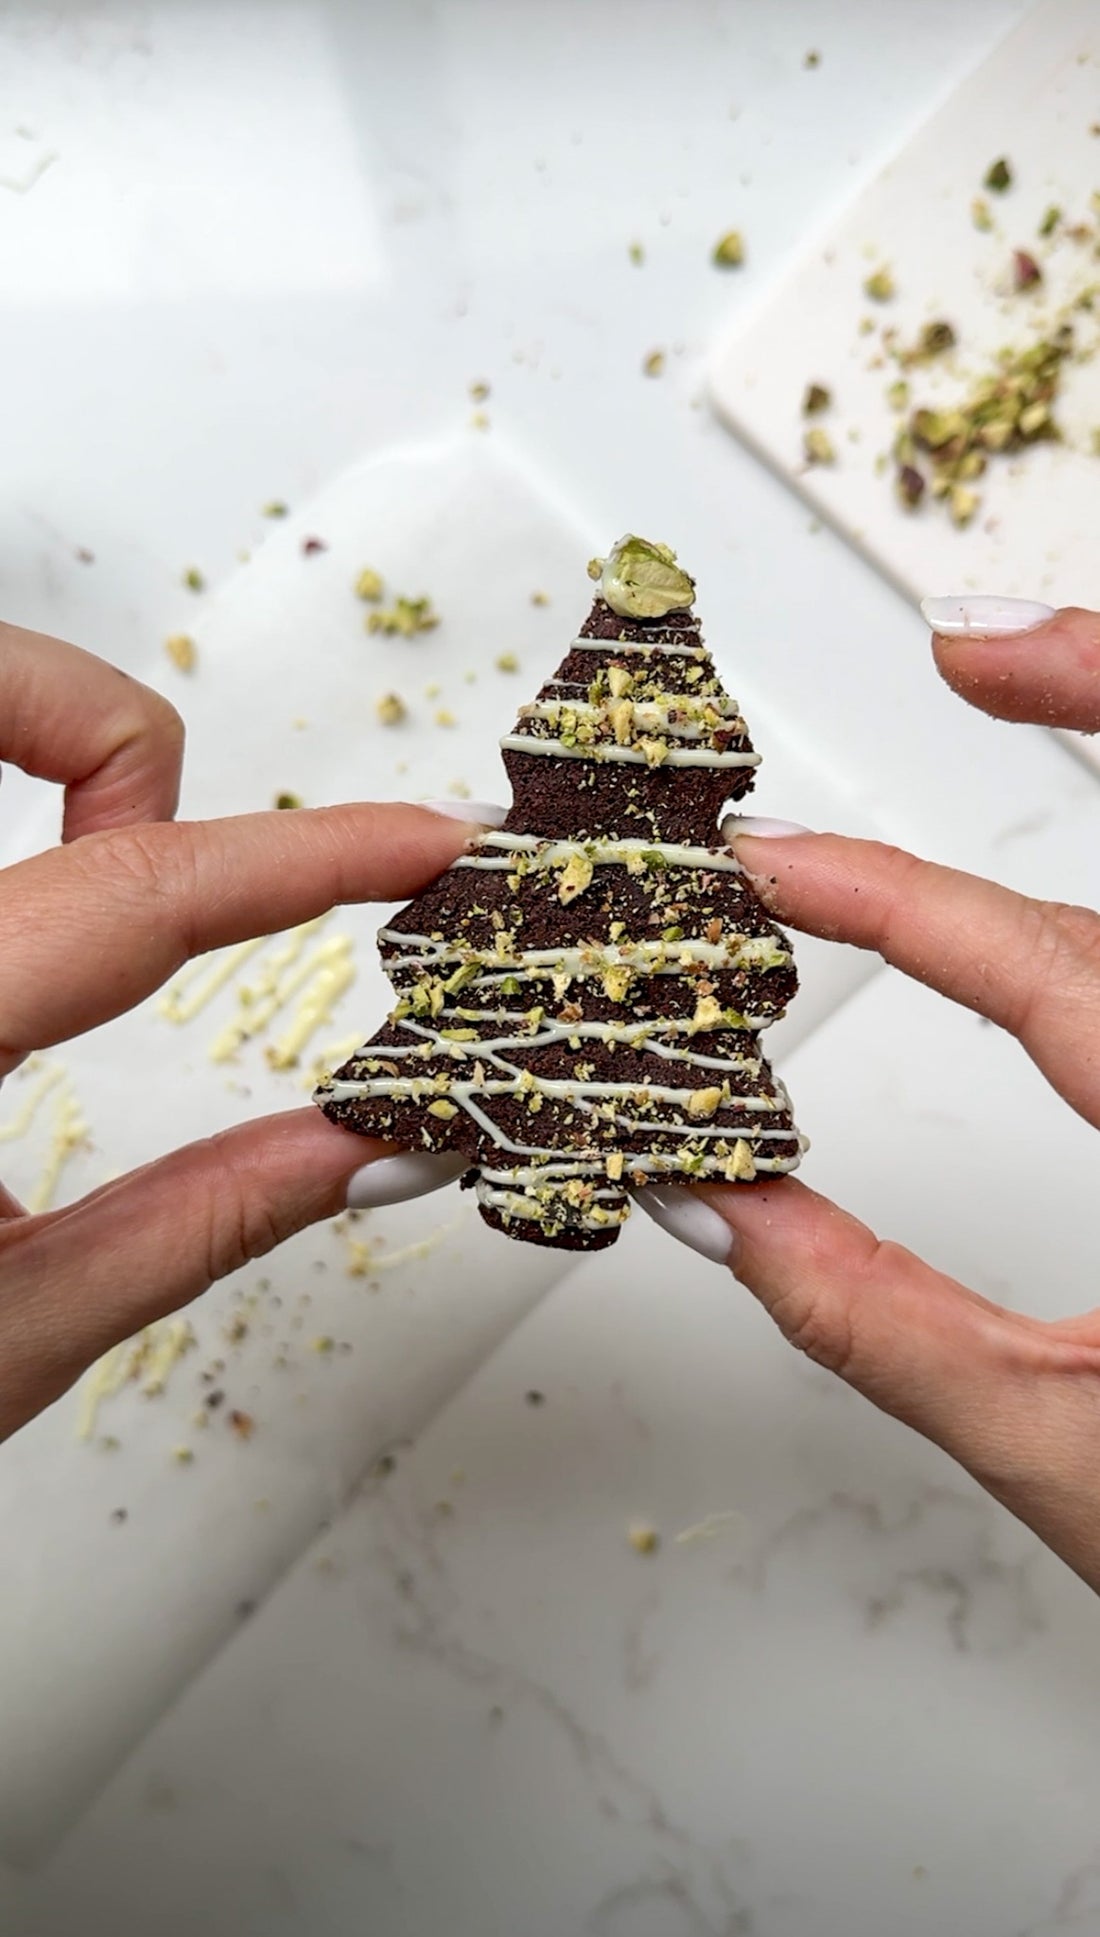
984,618
685,1217
758,824
393,1180
485,813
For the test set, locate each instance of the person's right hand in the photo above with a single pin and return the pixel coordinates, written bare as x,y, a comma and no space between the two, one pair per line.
1014,1399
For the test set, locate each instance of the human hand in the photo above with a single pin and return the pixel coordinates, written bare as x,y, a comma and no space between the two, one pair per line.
92,927
1014,1399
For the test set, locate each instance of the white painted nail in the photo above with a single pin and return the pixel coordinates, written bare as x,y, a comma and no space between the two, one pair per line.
984,618
393,1180
686,1217
486,813
758,824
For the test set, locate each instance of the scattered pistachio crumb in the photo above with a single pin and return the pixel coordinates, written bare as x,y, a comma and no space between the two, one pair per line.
479,391
194,580
241,1423
288,800
1051,218
458,790
812,58
182,1455
962,503
369,585
729,250
981,214
815,399
540,598
653,365
391,709
444,717
325,1343
507,662
643,1538
1025,270
636,254
404,617
998,176
182,651
275,508
479,420
817,446
433,689
880,286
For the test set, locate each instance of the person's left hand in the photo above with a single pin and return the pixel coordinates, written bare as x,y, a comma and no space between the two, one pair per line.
92,927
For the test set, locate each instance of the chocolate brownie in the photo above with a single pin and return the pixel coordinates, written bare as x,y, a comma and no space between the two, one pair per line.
580,996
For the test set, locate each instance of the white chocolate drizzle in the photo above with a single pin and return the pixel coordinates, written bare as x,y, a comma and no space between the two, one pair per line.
540,854
630,756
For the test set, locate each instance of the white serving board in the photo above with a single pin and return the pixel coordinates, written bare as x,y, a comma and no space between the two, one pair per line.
284,699
1034,101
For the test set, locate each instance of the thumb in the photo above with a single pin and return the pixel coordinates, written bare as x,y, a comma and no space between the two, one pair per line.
1020,660
79,1280
917,1344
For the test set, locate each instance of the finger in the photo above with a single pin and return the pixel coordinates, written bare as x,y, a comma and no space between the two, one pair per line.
1019,660
1031,966
89,930
115,746
77,1281
916,1343
1011,1398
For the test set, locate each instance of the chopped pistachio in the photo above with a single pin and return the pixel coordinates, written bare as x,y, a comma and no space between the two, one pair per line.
479,391
390,710
703,1103
444,717
653,365
183,1455
641,580
812,58
507,662
643,1539
897,395
369,586
194,580
817,447
880,286
404,617
741,1167
998,176
442,1108
729,250
1051,218
637,254
275,508
574,878
962,503
540,598
288,800
934,340
815,398
182,651
910,486
981,214
1025,270
479,420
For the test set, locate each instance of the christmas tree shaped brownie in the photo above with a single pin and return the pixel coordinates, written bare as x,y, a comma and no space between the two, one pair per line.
580,996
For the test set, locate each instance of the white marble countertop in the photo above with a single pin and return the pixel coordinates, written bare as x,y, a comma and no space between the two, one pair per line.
847,1694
